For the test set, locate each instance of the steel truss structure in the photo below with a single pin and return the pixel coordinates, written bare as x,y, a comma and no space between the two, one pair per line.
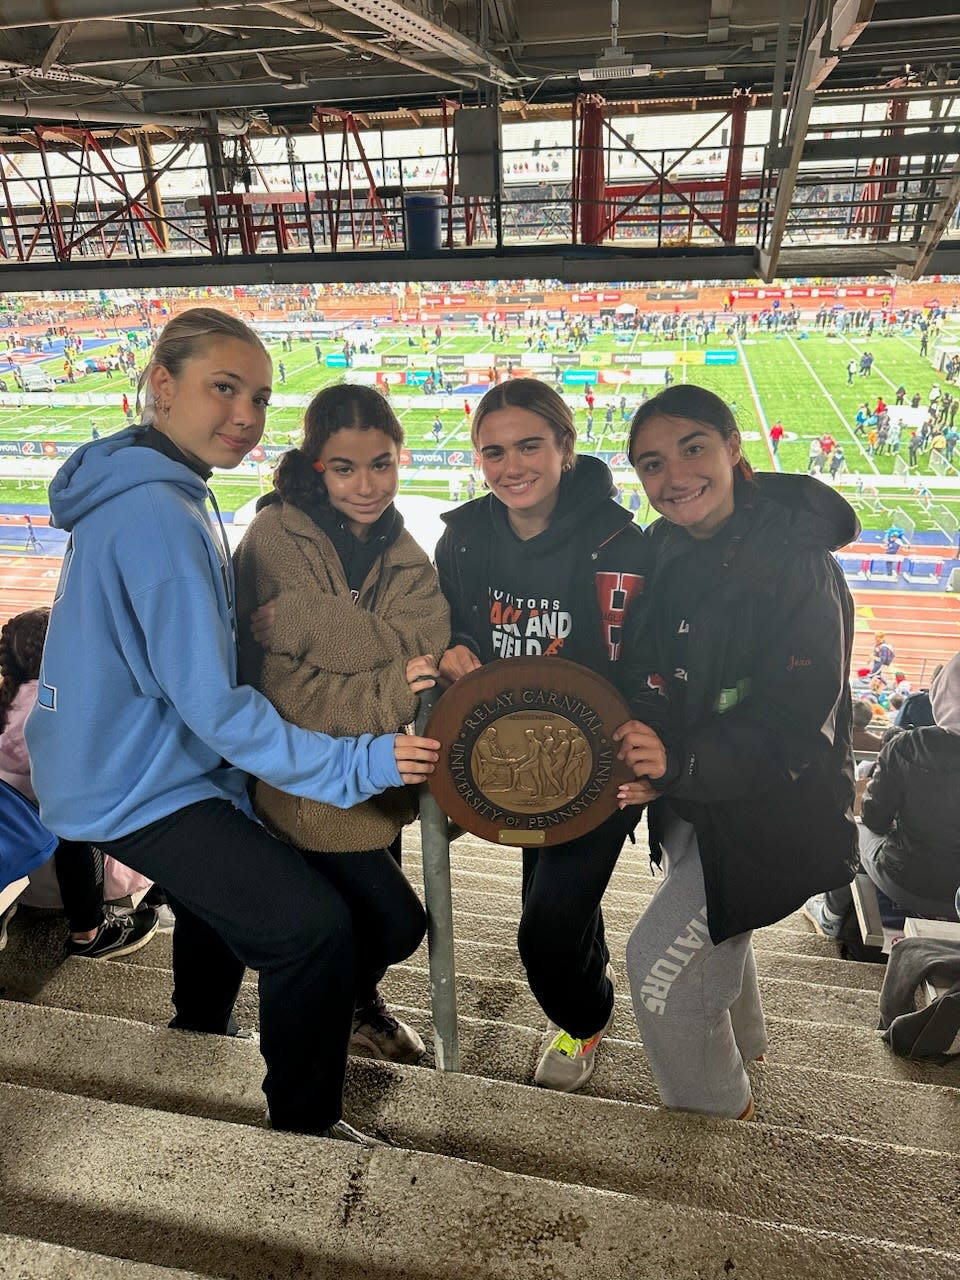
858,172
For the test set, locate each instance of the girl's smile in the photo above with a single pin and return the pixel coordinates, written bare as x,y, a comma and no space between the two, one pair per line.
686,469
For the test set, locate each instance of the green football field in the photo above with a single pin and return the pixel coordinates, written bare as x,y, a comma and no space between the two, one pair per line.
799,379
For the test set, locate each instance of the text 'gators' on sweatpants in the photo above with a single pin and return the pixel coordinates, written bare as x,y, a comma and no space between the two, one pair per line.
697,1005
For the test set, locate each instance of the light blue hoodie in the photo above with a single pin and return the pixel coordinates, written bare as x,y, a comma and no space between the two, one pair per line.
139,712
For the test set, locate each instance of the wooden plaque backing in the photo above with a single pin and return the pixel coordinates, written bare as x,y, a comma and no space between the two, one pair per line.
527,756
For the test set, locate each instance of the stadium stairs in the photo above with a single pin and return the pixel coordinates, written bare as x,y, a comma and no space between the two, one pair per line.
131,1151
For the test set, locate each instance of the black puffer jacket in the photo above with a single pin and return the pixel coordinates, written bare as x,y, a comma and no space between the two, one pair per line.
758,732
914,800
607,554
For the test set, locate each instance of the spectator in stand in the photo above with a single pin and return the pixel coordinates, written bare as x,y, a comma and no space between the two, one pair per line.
736,667
862,719
776,435
910,833
166,790
916,712
95,933
350,592
548,521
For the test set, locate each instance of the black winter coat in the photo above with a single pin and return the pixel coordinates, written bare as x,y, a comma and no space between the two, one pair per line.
759,756
913,799
589,529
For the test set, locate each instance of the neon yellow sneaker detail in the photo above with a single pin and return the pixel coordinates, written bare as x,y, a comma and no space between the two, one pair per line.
567,1063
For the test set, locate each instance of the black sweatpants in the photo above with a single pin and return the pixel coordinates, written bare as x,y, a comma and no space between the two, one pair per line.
561,938
383,905
79,869
245,899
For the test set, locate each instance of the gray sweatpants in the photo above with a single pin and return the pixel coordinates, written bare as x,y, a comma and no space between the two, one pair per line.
697,1005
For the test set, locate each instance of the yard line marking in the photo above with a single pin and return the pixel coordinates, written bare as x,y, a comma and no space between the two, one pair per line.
836,408
765,432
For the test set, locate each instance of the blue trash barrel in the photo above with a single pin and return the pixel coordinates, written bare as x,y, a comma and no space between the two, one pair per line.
422,218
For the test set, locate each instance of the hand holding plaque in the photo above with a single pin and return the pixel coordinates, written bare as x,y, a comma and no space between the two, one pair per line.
527,754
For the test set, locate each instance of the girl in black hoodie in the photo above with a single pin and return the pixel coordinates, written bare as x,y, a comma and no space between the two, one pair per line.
736,663
545,565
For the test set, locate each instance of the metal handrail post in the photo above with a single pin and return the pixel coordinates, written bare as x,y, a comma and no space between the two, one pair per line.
435,839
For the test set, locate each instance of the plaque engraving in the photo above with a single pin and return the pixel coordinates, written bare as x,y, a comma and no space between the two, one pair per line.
527,755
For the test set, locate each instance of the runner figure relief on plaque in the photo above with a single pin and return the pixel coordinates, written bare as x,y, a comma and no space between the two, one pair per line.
528,756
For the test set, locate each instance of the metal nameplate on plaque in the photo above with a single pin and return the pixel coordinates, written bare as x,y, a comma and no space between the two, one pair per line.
527,753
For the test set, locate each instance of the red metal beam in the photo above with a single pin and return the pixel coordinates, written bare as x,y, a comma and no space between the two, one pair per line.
733,181
590,193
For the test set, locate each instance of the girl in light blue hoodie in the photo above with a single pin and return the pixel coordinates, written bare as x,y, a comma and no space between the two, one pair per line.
142,740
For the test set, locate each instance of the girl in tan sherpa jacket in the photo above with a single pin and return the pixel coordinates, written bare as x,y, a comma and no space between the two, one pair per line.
349,619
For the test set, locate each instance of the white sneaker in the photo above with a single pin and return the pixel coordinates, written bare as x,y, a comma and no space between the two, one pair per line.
567,1063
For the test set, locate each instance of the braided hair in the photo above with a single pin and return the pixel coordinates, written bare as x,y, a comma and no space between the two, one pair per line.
21,648
345,406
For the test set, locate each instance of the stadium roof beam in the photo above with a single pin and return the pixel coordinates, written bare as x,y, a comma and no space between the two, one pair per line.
931,142
325,91
843,22
415,28
937,225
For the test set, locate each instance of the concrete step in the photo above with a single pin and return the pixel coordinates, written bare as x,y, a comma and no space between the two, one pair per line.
27,967
493,960
485,921
511,1000
287,1205
22,1259
498,1048
104,1057
88,1053
638,1150
620,911
501,999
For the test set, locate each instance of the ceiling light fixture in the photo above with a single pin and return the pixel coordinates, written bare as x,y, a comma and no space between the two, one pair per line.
614,63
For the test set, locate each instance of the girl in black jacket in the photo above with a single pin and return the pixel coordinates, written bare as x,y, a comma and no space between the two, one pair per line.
910,833
544,565
736,663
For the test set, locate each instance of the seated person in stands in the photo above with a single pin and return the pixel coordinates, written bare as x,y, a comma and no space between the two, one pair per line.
94,933
916,712
910,836
863,740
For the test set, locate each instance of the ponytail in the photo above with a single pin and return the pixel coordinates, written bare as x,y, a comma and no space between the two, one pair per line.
21,650
296,480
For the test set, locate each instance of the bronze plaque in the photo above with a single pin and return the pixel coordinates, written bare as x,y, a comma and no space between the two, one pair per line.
527,755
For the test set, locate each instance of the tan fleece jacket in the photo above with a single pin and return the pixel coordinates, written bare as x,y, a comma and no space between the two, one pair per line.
332,665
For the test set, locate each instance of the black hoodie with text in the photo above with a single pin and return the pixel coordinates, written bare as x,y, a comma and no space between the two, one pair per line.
562,593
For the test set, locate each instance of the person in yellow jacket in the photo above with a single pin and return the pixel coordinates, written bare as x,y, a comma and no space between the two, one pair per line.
348,638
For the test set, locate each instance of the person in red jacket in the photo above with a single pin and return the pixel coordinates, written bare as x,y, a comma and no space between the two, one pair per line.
776,435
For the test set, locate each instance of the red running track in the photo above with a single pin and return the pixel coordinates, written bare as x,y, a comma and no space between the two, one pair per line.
922,626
